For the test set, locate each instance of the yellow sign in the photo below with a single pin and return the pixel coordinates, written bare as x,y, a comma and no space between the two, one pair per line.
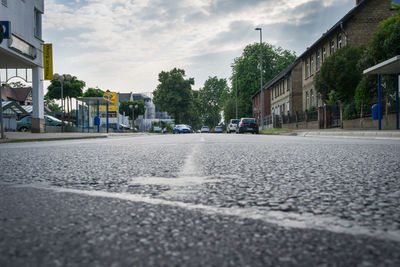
112,108
48,61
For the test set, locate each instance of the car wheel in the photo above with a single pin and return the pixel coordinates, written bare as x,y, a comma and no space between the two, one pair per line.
24,129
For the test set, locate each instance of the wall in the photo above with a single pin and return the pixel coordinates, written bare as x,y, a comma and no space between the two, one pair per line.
388,123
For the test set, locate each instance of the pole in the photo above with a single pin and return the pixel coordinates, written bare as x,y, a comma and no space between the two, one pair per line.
98,115
62,106
236,96
261,83
397,101
1,115
77,115
107,119
379,103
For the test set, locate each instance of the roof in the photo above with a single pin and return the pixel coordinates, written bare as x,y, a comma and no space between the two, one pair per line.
390,66
124,96
140,97
17,94
282,74
14,106
346,18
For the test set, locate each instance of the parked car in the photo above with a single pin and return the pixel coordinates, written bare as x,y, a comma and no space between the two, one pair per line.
25,123
231,127
182,128
247,125
218,129
205,129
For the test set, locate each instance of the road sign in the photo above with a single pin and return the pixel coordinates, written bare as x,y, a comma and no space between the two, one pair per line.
48,61
6,27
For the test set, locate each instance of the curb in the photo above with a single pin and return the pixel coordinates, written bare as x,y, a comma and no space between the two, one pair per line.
50,139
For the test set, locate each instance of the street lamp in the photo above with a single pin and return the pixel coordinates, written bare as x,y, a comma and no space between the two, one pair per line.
261,80
61,79
133,114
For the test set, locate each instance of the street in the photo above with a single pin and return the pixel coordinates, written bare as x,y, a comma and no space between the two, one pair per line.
200,200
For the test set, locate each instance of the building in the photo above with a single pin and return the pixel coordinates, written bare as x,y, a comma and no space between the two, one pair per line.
293,89
23,51
21,95
257,104
356,28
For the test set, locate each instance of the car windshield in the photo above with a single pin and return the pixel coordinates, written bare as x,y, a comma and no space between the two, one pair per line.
52,118
235,121
249,120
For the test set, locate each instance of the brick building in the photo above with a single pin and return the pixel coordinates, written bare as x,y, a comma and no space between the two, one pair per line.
294,88
356,28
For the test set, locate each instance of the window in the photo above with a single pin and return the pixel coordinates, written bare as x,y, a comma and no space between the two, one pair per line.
318,61
323,54
312,98
319,100
339,41
38,24
4,2
288,84
332,47
307,99
307,67
311,65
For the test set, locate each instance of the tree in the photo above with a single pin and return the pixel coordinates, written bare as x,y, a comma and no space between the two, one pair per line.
71,89
174,94
124,107
386,41
340,73
16,85
51,104
246,71
93,92
194,118
211,99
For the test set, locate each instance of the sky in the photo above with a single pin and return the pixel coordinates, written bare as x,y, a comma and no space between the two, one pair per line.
122,45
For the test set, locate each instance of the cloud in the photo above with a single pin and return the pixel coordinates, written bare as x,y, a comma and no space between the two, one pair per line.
122,45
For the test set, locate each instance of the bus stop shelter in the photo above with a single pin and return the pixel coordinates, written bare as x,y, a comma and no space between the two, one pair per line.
93,102
390,66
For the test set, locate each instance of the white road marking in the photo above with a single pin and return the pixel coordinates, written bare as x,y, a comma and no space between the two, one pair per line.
284,219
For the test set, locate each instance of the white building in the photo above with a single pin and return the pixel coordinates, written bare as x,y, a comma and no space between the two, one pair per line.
24,49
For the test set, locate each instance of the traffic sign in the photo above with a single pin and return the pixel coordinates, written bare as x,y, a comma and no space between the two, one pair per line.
6,29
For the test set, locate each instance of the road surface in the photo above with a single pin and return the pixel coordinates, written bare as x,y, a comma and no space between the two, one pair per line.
200,200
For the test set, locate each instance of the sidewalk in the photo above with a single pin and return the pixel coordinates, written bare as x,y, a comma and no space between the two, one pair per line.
339,133
28,136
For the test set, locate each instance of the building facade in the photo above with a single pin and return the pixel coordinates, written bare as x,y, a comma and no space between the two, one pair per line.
24,48
356,28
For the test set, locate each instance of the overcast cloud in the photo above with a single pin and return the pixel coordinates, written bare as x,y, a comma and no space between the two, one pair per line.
122,45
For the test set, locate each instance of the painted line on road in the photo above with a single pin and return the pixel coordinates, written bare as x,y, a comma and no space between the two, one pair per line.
284,219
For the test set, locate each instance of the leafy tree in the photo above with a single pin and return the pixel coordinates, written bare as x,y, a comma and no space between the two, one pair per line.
386,42
246,71
340,73
16,85
93,92
174,94
211,99
124,107
71,89
194,118
51,104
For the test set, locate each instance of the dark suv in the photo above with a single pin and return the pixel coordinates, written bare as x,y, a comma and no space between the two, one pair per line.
247,125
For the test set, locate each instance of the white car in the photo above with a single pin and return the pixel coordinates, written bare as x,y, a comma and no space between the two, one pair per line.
231,127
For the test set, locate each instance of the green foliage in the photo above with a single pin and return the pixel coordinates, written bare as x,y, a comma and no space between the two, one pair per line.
350,111
365,93
386,42
246,71
124,107
161,124
211,100
93,92
229,109
332,98
51,104
341,73
194,113
174,94
16,85
71,89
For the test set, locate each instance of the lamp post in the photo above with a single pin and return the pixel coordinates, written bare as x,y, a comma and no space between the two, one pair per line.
261,80
236,96
61,79
133,114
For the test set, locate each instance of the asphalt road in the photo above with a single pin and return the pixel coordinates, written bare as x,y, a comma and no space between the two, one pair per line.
200,200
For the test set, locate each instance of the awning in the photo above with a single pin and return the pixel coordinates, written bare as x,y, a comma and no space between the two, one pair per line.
390,66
